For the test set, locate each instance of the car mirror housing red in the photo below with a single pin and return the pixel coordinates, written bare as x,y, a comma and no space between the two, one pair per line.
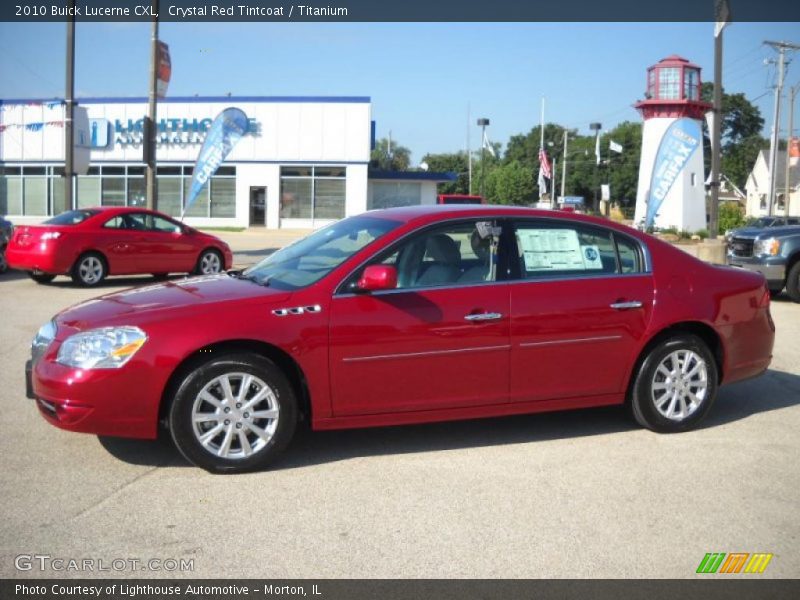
378,277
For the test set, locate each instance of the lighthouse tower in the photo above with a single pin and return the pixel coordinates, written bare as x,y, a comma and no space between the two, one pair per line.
671,189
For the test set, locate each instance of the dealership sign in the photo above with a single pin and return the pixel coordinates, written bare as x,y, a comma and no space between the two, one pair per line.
130,132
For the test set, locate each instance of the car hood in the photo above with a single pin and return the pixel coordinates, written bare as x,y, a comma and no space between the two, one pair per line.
149,300
765,232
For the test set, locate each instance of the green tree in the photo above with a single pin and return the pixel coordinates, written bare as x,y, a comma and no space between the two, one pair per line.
455,162
510,183
398,160
622,170
740,130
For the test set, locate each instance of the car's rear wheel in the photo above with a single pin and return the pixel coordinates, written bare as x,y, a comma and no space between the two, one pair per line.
234,413
793,282
89,270
676,385
40,277
209,263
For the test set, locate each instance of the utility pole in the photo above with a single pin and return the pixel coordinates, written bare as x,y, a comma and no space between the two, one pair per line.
69,109
469,151
716,138
596,127
781,47
150,130
564,166
482,123
789,137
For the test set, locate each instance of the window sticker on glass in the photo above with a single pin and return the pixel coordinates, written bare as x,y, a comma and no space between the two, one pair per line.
591,257
556,250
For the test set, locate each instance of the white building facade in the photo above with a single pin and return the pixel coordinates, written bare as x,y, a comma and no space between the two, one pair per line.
787,202
303,163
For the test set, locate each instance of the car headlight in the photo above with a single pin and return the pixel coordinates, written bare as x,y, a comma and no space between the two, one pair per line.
106,348
767,247
43,338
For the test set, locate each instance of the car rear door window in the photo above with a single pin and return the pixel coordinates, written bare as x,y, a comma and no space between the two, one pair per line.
550,249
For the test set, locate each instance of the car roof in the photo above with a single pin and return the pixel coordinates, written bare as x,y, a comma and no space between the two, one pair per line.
435,212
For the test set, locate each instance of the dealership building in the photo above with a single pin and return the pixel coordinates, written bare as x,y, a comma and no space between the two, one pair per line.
304,161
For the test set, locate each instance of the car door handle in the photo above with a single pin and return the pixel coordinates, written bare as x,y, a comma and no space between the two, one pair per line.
491,316
626,305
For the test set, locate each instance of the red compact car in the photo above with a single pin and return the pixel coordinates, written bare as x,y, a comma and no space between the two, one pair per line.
407,315
91,243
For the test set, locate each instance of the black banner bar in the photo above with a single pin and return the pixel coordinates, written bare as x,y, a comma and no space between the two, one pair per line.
407,10
710,588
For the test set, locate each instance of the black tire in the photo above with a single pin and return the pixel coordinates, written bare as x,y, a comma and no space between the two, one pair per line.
39,277
645,403
90,269
186,433
775,293
3,261
793,282
209,262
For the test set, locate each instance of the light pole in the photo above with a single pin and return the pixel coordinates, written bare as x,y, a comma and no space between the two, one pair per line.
596,127
149,142
482,123
69,109
789,134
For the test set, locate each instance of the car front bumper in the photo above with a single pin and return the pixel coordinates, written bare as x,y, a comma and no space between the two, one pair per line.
114,402
773,268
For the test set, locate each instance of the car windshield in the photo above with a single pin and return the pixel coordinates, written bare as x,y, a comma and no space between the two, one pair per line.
71,217
310,259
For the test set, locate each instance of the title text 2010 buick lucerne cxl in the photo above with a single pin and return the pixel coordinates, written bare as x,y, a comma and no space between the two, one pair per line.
407,315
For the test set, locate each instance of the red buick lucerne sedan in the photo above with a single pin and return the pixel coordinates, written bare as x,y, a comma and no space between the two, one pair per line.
91,243
407,315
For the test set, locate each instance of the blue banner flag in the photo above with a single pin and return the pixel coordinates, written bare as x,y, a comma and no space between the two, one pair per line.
226,130
680,141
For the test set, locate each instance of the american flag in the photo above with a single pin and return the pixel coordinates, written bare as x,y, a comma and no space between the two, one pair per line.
544,164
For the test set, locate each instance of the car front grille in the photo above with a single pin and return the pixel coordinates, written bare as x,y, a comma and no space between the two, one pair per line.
741,247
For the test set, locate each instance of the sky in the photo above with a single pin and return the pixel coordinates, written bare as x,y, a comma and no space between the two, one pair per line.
423,78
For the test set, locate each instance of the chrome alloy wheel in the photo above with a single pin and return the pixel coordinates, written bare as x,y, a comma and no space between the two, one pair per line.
680,384
210,263
90,270
235,415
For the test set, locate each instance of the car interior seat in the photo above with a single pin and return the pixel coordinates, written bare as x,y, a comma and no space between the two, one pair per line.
446,256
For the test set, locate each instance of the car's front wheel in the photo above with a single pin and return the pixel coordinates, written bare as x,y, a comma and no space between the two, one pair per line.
3,262
89,270
209,263
234,413
675,385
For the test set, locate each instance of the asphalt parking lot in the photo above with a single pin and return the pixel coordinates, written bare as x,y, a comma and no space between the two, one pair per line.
578,494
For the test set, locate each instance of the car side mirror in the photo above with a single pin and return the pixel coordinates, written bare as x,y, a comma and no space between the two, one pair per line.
377,277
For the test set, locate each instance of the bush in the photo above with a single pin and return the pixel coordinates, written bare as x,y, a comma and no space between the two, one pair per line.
731,216
702,234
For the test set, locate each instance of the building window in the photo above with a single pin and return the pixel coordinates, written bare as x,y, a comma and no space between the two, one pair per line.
387,194
651,83
691,84
223,196
669,80
313,192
